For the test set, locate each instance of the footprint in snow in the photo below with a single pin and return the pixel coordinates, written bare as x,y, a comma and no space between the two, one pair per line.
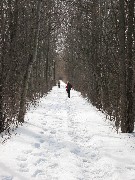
53,132
45,129
85,160
54,165
28,151
20,158
93,156
38,154
42,132
57,154
41,141
22,165
24,169
38,137
36,145
40,161
75,151
37,172
130,168
6,177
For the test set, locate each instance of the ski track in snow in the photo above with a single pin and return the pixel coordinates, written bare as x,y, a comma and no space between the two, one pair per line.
67,139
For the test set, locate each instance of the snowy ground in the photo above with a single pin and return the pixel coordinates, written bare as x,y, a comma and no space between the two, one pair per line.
67,139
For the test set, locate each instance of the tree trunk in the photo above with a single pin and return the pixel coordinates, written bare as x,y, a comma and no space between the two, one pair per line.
47,62
2,48
24,90
1,105
122,66
130,78
31,60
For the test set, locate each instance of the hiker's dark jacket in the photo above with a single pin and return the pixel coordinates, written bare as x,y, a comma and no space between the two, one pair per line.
68,86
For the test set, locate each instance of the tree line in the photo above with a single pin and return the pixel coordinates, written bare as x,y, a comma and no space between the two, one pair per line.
100,55
88,42
28,36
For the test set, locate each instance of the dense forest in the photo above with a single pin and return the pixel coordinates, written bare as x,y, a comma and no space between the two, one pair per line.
88,42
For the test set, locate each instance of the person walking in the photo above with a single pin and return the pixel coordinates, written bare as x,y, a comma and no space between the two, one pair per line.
68,88
59,83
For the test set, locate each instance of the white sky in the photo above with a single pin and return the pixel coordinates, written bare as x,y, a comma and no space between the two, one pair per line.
67,139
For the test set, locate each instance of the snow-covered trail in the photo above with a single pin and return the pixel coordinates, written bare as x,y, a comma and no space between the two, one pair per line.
67,139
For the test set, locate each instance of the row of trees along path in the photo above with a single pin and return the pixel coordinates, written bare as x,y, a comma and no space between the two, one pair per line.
90,43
